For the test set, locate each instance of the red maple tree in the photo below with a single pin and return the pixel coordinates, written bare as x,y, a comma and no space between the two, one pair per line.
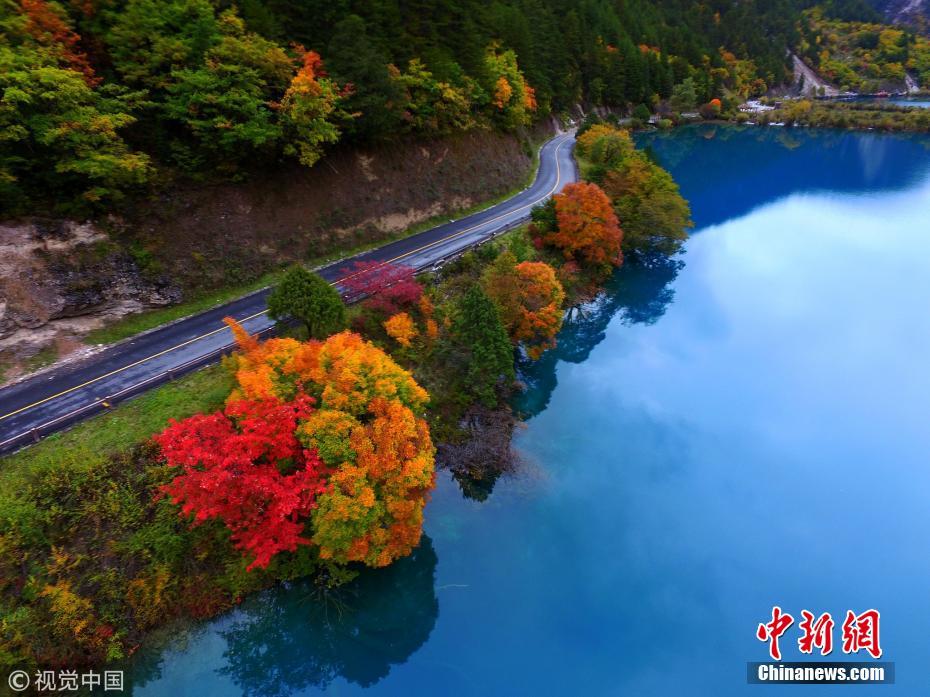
245,467
49,28
388,288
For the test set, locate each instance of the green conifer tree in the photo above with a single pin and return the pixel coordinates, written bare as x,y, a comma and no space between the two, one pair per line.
304,296
478,329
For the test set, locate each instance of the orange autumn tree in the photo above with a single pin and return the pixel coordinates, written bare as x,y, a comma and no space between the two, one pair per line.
260,366
502,93
366,430
587,228
427,310
530,297
310,108
373,509
712,109
529,98
512,99
401,328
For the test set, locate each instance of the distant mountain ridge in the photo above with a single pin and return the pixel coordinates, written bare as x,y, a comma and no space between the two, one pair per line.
914,12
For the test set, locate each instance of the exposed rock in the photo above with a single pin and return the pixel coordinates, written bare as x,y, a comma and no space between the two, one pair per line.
913,12
60,279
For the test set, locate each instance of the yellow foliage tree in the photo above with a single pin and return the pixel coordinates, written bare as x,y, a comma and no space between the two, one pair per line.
401,328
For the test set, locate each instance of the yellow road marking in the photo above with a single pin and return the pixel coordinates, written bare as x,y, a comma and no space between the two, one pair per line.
558,179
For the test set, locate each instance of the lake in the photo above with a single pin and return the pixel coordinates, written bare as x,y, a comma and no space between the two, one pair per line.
740,428
921,102
911,102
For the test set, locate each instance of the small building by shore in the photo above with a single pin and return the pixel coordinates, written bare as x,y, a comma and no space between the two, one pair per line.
754,106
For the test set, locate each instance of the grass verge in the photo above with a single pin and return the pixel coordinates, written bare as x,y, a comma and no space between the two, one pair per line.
96,439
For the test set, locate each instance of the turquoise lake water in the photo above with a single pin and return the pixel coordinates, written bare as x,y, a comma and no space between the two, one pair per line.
744,427
923,103
918,102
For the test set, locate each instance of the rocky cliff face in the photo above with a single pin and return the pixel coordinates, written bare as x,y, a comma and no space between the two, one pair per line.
913,12
59,280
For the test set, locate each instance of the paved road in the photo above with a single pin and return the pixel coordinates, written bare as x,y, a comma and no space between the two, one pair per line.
57,399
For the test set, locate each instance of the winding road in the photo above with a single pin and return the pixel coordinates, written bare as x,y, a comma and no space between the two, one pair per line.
56,399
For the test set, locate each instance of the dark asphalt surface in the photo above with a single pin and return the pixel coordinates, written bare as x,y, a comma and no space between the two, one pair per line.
56,399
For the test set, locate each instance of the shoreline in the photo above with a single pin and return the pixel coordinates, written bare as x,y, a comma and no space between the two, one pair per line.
162,569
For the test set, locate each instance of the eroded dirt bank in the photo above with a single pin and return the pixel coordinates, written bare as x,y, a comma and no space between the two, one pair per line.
60,279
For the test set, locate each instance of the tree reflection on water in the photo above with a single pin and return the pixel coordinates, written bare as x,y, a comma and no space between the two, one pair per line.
637,293
291,640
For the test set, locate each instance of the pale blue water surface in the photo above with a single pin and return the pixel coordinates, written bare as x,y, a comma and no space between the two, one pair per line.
921,102
912,102
743,428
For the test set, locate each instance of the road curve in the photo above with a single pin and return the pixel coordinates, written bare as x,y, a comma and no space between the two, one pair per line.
56,399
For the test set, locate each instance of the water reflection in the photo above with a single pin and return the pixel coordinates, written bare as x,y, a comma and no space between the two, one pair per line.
483,455
638,293
909,102
148,665
764,442
477,488
295,641
291,639
740,169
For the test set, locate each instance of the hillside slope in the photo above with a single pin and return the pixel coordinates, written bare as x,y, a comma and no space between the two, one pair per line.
864,57
64,279
115,99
